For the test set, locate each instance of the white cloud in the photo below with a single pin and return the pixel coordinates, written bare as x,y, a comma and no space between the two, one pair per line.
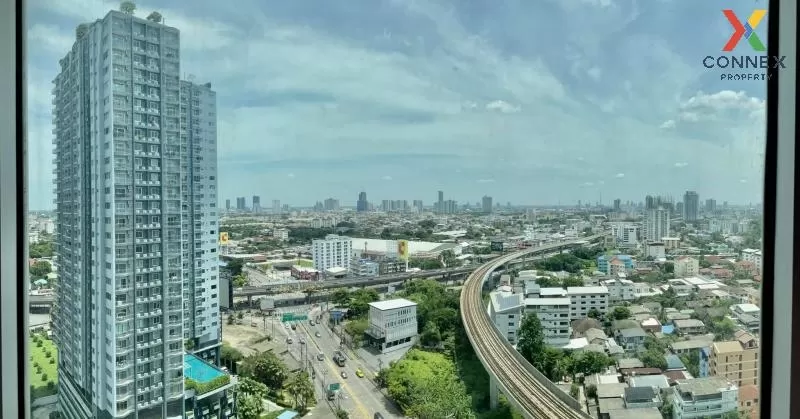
619,175
387,177
668,124
332,99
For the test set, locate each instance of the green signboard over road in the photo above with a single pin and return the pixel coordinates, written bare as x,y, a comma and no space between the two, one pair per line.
291,317
334,387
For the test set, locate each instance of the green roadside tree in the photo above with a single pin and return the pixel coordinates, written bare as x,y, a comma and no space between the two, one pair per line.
249,398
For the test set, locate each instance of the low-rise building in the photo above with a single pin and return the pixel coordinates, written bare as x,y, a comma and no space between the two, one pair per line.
554,315
704,397
611,265
641,397
585,299
392,324
689,327
736,360
506,310
686,266
620,289
631,339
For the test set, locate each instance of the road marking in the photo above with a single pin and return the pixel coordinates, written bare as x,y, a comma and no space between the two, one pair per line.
334,368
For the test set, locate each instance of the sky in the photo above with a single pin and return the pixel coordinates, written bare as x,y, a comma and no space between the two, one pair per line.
530,101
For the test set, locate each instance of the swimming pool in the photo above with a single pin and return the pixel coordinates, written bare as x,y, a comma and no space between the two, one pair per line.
198,370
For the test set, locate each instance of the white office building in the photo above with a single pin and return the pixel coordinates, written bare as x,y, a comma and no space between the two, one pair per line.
584,299
686,266
392,324
553,314
506,310
332,252
703,398
135,178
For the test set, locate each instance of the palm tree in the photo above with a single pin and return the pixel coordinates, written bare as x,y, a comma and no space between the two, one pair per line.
300,389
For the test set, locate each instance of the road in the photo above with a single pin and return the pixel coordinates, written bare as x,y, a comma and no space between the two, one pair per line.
358,396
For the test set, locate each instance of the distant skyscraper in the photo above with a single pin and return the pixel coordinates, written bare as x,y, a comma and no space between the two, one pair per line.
440,202
361,204
241,204
276,206
227,204
617,204
486,204
418,205
331,204
679,208
256,203
711,205
134,226
691,206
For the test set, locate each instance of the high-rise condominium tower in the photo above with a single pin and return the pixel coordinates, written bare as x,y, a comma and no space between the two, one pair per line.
136,234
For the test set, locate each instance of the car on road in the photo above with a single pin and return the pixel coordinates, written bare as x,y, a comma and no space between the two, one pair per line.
320,356
302,341
289,340
294,327
285,326
344,374
318,334
359,373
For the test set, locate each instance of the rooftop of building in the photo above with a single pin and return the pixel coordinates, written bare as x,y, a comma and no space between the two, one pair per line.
704,386
547,301
586,290
392,304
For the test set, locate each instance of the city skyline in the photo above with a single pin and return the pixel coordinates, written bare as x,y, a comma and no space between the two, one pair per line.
451,98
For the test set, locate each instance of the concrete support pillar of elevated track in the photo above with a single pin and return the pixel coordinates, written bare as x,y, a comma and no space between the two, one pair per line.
493,393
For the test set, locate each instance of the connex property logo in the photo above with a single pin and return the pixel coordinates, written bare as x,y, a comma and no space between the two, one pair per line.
757,66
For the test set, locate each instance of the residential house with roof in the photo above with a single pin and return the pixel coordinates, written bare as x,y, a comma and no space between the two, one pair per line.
748,401
704,397
748,315
689,327
632,339
641,397
612,265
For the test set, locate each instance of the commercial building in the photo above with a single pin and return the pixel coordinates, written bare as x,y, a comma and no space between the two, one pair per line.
486,204
362,205
135,237
332,252
392,324
736,360
506,310
704,397
256,203
691,206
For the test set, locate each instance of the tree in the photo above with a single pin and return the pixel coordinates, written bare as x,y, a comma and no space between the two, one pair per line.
588,363
430,335
154,17
572,281
40,268
266,368
240,280
594,314
127,7
235,266
229,355
591,391
359,301
723,329
620,313
531,338
341,413
340,297
653,359
574,390
301,389
249,398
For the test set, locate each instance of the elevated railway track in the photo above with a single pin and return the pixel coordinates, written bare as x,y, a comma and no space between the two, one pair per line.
525,387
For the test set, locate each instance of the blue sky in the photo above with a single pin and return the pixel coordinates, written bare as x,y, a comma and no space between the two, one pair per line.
529,101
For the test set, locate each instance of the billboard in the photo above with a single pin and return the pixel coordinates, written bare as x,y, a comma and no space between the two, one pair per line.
496,246
223,238
402,250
